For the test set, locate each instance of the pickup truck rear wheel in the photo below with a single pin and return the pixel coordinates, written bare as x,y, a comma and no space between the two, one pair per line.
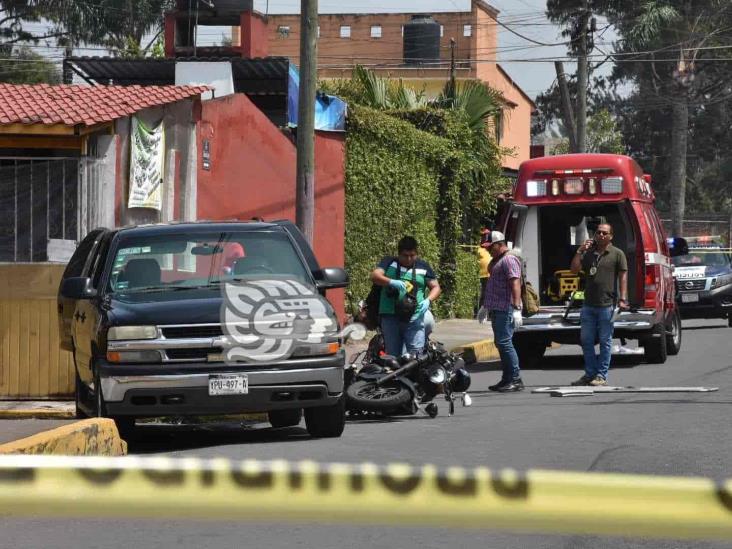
655,346
326,421
81,397
285,418
729,320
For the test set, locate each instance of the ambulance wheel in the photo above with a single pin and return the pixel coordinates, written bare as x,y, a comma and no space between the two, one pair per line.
655,348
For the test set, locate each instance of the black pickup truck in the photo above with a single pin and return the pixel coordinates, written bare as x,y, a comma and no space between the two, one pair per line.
203,318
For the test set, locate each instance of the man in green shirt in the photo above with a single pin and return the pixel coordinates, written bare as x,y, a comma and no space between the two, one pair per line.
405,273
606,279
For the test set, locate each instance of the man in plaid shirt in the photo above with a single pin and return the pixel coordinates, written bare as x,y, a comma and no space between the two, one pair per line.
501,302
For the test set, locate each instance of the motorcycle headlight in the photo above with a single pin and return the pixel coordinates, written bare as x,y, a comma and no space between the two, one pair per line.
438,375
132,332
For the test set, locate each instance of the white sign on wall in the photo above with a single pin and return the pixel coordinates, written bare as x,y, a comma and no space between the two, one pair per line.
147,158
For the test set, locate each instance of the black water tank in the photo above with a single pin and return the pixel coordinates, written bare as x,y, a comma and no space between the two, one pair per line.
421,40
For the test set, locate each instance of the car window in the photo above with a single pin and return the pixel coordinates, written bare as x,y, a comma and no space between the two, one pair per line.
703,258
203,260
76,264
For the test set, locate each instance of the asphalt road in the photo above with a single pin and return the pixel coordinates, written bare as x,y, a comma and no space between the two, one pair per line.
671,434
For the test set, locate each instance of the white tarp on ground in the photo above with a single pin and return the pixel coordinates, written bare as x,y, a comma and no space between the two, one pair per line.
146,165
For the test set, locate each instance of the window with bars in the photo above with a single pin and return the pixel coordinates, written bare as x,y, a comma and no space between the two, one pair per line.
39,200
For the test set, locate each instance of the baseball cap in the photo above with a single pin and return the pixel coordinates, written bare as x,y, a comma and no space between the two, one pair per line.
489,237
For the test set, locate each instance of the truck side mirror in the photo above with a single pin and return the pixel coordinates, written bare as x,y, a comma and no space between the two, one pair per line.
77,287
331,277
677,246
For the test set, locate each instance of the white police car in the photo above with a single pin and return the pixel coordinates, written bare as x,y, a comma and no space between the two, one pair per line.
704,281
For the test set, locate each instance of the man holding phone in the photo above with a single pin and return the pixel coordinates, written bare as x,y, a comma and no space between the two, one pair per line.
606,279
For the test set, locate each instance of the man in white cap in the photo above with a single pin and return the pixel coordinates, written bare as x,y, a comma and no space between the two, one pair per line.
501,302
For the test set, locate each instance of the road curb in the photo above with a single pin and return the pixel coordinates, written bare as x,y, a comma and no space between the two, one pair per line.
479,351
37,413
89,437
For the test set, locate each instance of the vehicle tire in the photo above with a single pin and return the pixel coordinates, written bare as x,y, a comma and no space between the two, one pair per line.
655,347
125,424
673,339
729,320
367,395
530,350
285,418
326,421
81,395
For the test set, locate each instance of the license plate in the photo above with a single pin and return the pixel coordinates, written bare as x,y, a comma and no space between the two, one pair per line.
228,384
689,298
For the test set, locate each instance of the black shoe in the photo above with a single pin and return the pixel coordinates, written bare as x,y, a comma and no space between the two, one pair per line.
498,385
514,386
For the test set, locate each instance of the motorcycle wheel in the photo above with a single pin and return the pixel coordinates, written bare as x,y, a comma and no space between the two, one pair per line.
367,395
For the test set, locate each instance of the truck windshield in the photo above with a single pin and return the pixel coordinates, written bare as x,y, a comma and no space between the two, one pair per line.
703,257
174,262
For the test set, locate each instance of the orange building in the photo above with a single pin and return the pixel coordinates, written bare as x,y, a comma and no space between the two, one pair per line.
377,40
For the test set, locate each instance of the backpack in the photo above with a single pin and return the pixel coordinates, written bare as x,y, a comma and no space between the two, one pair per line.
371,308
529,296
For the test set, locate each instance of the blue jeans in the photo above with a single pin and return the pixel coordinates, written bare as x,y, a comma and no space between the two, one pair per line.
596,325
502,323
402,337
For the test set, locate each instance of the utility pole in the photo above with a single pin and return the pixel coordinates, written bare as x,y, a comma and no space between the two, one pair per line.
67,75
582,77
452,66
566,106
305,184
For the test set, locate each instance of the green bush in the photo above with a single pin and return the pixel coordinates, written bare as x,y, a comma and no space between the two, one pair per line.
392,176
467,287
421,172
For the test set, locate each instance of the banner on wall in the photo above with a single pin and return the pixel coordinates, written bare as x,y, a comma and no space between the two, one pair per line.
147,145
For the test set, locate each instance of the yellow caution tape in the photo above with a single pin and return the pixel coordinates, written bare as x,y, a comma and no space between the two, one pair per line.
543,501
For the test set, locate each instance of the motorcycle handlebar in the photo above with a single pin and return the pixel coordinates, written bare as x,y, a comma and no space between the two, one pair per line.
408,366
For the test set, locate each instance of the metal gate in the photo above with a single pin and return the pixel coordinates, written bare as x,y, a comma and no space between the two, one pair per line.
40,199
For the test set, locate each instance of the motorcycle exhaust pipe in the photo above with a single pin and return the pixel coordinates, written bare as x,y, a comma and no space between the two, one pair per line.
388,377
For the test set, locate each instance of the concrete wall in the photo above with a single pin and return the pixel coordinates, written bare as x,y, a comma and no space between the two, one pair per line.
360,47
179,178
475,55
252,173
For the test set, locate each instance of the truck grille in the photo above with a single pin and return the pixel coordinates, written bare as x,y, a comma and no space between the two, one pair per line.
690,285
180,332
192,354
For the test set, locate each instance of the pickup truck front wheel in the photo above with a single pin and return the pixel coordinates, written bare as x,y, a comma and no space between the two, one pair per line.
326,421
125,424
285,418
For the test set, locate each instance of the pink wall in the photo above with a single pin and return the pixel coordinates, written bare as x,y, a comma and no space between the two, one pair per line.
252,173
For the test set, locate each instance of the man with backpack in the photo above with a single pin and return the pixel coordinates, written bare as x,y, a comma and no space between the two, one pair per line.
408,287
501,302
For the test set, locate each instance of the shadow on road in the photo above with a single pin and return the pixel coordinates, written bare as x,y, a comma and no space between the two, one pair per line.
556,363
149,439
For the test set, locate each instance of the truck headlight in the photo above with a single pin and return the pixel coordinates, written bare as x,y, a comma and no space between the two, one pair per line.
133,356
722,280
132,332
318,349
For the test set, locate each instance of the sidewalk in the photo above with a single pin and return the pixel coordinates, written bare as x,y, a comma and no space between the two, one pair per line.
38,409
473,339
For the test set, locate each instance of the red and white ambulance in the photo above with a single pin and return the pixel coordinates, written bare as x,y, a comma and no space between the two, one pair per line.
558,201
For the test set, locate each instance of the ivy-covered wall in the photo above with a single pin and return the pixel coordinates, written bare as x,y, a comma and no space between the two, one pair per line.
401,180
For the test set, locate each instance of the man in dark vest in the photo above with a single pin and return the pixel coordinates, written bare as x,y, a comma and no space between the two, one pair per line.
401,275
606,280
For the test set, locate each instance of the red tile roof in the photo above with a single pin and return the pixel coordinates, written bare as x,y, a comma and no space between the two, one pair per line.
88,105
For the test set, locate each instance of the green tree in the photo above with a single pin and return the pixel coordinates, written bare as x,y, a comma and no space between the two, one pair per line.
672,52
23,66
603,136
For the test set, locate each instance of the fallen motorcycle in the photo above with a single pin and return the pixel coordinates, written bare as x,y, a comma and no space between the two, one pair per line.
403,385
